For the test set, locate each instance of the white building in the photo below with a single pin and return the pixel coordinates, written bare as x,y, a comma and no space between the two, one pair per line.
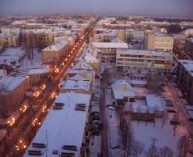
107,50
137,63
122,92
63,132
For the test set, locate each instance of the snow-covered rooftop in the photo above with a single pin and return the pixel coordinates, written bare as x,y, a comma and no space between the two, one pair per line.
57,46
76,85
122,89
155,101
89,58
78,77
63,127
41,70
8,84
188,65
110,45
82,66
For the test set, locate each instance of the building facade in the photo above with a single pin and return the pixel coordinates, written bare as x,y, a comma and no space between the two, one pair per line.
55,51
189,47
158,41
12,91
9,40
108,50
137,63
185,78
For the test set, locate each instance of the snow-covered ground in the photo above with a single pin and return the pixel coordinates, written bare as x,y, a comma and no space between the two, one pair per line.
164,136
142,132
27,64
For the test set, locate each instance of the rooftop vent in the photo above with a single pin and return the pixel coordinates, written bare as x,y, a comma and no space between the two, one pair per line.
35,152
59,104
67,154
38,145
69,147
55,107
80,107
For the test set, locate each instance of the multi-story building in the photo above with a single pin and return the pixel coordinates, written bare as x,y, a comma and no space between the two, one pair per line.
65,130
137,63
158,41
107,50
9,40
185,78
189,47
55,51
12,91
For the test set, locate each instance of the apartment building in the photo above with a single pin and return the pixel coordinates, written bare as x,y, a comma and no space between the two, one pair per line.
158,41
137,63
189,47
107,50
185,78
9,40
12,91
54,52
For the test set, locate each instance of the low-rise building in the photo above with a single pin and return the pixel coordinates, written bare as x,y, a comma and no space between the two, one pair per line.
137,63
12,91
84,70
185,78
158,41
122,92
54,52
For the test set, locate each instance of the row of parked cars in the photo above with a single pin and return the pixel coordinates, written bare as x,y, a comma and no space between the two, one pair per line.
95,124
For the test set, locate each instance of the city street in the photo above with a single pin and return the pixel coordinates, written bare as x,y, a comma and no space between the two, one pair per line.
20,136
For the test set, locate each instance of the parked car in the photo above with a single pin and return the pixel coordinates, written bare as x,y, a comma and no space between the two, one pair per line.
111,107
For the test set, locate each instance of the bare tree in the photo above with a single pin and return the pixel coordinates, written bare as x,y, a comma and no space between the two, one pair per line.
166,152
183,145
153,150
137,149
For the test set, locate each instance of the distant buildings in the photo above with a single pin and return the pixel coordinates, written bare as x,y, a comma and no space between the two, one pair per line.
54,52
9,40
12,91
137,63
185,78
158,41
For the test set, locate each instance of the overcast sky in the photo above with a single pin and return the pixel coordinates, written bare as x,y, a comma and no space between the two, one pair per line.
166,7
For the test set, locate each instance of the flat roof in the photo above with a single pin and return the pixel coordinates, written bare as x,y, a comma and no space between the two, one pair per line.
41,70
63,127
188,65
77,84
8,84
155,101
57,46
109,45
122,89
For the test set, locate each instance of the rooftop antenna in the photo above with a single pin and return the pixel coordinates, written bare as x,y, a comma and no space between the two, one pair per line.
47,143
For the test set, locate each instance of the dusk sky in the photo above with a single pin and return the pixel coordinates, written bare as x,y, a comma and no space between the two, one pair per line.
166,7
